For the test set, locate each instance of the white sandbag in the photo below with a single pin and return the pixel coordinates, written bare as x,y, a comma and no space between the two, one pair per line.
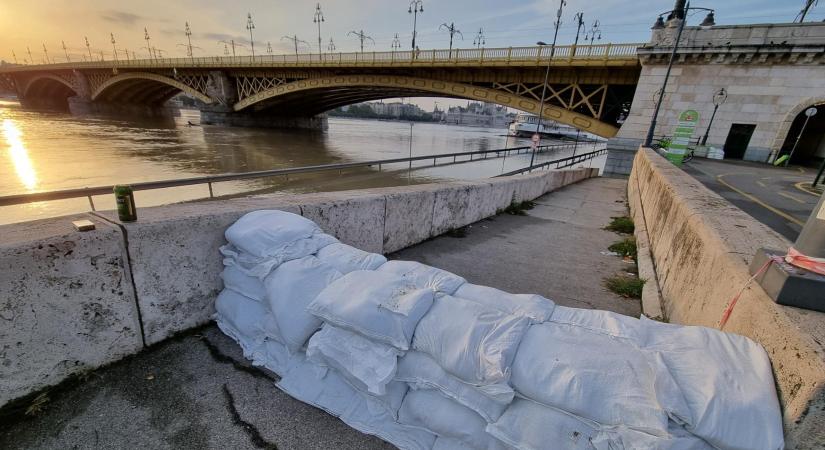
422,372
607,322
677,439
429,410
593,375
474,342
424,276
267,233
289,289
346,258
445,443
380,306
535,307
726,381
247,321
275,356
261,266
526,425
243,284
367,364
328,390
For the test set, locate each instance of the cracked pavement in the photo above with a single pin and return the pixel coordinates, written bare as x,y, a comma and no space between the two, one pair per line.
197,391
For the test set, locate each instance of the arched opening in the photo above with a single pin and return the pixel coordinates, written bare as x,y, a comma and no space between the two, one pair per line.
143,89
810,149
47,92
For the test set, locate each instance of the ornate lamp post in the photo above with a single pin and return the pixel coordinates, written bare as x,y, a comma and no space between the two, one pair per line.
65,51
46,52
479,40
331,46
360,35
89,48
148,47
416,7
317,19
594,34
114,45
188,33
579,18
250,26
719,98
453,31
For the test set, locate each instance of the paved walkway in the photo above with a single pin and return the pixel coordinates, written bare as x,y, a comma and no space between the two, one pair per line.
769,194
197,392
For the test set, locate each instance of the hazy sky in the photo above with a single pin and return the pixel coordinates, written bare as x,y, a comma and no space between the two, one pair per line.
32,23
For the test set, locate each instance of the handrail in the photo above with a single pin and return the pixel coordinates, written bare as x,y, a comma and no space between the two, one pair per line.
88,192
484,56
560,163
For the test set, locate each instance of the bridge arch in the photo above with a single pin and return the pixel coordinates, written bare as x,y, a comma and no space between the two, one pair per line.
48,85
783,134
143,88
316,95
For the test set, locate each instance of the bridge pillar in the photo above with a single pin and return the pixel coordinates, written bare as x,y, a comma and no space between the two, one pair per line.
224,94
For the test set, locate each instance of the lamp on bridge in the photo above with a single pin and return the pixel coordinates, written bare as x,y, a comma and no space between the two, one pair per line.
678,13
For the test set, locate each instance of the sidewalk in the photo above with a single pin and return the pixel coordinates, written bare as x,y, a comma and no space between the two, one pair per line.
197,391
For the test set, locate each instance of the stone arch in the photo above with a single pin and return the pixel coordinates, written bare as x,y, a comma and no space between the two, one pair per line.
146,82
787,122
387,86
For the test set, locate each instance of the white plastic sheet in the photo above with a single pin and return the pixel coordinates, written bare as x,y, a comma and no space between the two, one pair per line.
289,289
348,259
367,364
424,276
535,307
474,342
380,306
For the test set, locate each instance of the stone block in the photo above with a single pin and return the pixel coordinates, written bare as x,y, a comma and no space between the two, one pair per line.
355,218
459,205
66,302
408,218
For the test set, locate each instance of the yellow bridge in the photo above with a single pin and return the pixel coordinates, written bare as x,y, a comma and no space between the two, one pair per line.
587,86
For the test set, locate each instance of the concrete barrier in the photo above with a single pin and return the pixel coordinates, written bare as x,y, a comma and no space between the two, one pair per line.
75,301
701,247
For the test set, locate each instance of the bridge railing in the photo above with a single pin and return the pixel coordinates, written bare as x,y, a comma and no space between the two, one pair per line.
537,55
89,192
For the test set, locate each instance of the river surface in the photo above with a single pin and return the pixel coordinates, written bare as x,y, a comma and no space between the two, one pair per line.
45,151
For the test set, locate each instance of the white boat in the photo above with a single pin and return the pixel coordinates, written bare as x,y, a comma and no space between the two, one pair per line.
525,126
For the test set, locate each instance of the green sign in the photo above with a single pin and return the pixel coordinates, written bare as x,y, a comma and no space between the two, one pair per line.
682,135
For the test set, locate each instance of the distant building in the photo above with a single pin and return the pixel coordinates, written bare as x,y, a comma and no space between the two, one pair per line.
479,115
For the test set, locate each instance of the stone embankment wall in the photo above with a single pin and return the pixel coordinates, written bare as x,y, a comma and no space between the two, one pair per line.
701,247
73,301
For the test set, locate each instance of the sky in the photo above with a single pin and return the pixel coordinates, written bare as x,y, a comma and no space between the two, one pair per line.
34,23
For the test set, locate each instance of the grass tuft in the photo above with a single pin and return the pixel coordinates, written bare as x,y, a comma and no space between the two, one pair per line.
622,225
519,208
628,287
37,405
625,247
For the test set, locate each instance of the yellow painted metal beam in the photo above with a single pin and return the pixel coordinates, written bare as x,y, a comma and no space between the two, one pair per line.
151,77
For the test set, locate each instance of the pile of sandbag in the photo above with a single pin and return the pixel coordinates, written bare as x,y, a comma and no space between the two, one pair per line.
424,360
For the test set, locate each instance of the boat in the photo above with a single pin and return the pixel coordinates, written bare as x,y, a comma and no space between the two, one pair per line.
525,126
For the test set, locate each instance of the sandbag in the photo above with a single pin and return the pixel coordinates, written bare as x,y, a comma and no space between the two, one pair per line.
429,410
726,381
535,307
445,443
289,289
422,372
606,322
261,266
368,365
526,425
348,259
244,319
589,374
380,306
267,233
474,342
243,284
424,276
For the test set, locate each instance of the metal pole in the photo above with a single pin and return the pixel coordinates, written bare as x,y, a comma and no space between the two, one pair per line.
805,125
811,241
710,124
651,130
409,171
546,78
819,174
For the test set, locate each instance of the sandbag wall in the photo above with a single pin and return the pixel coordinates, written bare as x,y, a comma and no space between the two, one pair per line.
423,359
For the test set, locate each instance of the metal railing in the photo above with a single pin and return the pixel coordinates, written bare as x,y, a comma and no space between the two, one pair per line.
89,192
560,163
538,55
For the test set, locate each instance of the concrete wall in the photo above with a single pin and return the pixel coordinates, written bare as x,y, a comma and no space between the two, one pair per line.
701,247
73,301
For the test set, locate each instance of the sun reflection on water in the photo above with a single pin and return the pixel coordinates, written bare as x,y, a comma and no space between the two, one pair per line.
19,155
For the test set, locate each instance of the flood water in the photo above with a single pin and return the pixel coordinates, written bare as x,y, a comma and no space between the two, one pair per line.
45,151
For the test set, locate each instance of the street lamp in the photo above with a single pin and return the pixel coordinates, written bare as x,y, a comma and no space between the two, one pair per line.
114,45
250,26
46,52
65,51
579,18
594,34
148,47
89,49
416,7
453,31
360,35
537,141
396,43
479,40
188,33
719,98
678,13
295,41
810,112
331,45
318,18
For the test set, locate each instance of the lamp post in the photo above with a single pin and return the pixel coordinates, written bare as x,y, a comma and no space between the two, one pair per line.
678,13
453,31
479,40
537,141
360,35
719,98
416,7
318,18
594,34
396,43
294,39
250,26
148,47
810,112
65,51
31,58
331,46
88,48
46,52
14,55
114,45
579,18
188,32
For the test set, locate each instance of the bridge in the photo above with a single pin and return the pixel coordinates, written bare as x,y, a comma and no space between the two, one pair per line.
586,88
